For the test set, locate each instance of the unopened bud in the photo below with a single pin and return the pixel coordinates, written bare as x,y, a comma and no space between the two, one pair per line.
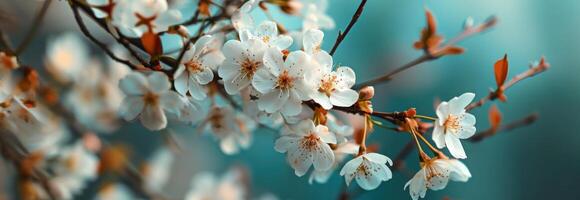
366,93
291,7
468,23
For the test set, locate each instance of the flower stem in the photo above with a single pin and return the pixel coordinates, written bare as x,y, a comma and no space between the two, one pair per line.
425,117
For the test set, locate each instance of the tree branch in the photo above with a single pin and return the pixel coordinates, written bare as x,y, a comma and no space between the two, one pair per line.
101,45
527,120
353,20
33,28
431,56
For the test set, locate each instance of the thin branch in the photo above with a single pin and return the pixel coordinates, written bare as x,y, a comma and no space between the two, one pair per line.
353,20
101,45
529,119
431,56
5,43
534,70
33,28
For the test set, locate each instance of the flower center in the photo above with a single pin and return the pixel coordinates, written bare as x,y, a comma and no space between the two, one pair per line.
285,81
432,172
310,142
193,66
452,124
249,68
150,98
327,84
266,39
363,169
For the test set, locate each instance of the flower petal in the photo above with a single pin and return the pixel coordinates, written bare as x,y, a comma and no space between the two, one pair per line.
180,83
454,146
273,101
131,107
153,118
134,84
344,98
158,82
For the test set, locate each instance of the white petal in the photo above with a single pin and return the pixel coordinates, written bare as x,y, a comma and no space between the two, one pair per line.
263,81
292,107
457,105
153,118
172,102
301,160
131,107
438,136
233,49
282,42
378,158
296,62
466,132
349,169
273,101
417,185
180,83
454,146
304,127
442,112
369,180
236,84
459,171
321,99
158,82
325,135
267,29
229,146
196,90
344,98
285,143
205,76
312,39
273,61
346,77
134,84
467,119
323,157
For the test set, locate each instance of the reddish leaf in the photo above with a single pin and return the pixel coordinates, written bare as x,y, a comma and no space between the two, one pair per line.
452,50
431,24
501,70
152,44
494,117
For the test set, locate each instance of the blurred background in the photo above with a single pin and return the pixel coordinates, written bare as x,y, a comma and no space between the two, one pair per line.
535,162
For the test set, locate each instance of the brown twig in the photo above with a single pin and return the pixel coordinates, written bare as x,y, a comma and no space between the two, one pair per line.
101,45
33,28
527,120
426,56
353,20
534,70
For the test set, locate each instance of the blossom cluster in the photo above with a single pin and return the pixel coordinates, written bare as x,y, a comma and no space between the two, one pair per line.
234,76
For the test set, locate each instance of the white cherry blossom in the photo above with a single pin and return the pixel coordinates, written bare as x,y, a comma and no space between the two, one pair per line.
315,15
242,61
307,145
282,82
231,129
147,98
267,32
369,170
206,186
435,174
196,68
453,124
74,167
157,171
66,57
341,151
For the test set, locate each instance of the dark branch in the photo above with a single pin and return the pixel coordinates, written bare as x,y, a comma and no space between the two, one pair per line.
101,45
354,19
531,118
34,27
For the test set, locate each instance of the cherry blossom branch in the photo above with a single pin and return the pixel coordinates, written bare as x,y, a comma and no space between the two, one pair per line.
426,56
532,71
353,20
33,28
101,45
5,43
527,120
13,150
